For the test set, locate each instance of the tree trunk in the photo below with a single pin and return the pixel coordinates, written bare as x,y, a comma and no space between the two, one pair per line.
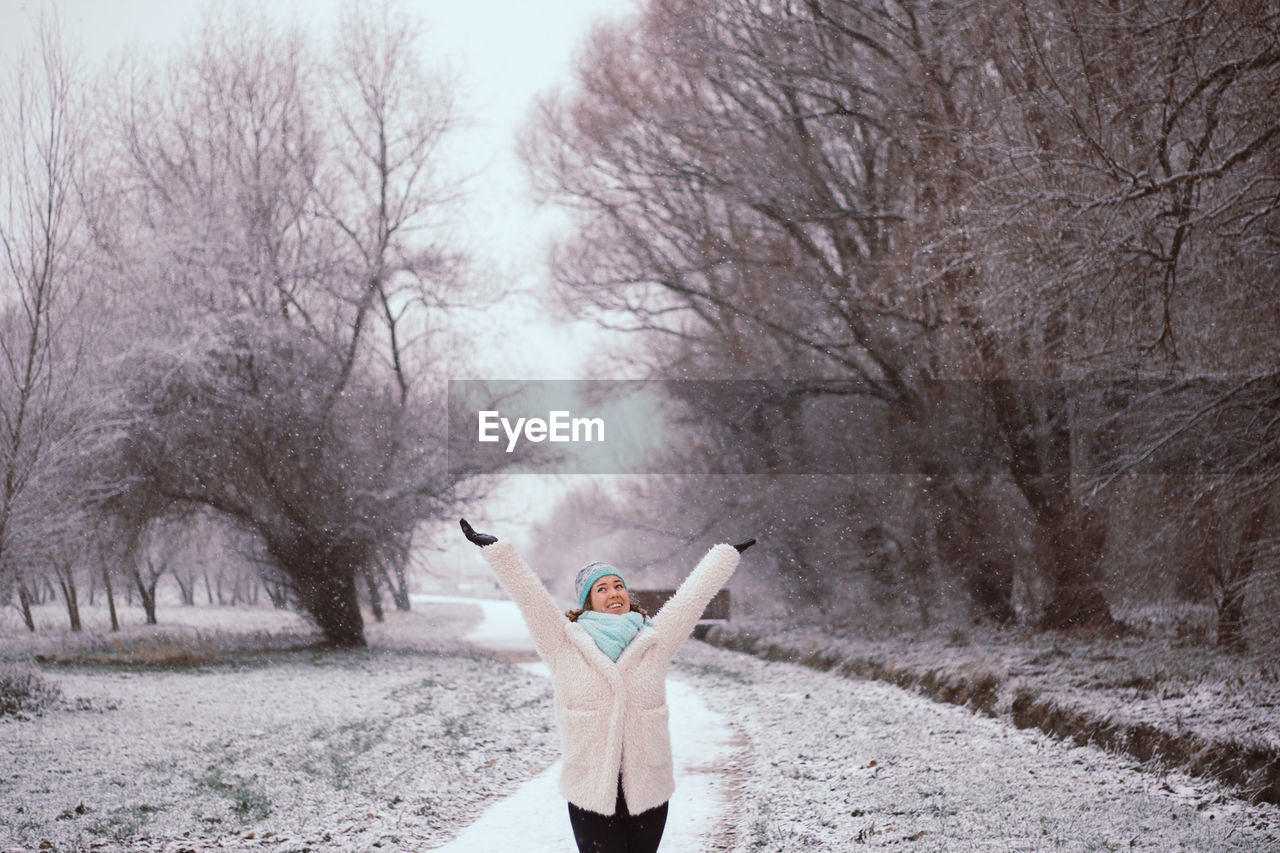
1235,580
278,593
1069,540
187,589
111,598
148,595
966,540
24,599
1231,618
375,596
1035,423
332,601
399,586
989,587
324,578
67,581
922,560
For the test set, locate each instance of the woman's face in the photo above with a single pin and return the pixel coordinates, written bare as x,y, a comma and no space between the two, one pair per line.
609,595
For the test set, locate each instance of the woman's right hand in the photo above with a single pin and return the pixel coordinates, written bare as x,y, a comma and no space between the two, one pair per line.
480,539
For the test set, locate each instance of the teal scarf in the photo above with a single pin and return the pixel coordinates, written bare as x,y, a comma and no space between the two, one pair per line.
612,632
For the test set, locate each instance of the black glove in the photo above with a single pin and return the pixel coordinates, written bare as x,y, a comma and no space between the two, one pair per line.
742,546
480,539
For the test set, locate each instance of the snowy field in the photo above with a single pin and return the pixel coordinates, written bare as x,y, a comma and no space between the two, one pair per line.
441,736
390,747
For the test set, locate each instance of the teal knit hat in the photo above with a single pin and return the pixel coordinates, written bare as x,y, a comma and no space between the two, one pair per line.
588,575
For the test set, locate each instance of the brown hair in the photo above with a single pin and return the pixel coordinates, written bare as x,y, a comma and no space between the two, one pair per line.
572,615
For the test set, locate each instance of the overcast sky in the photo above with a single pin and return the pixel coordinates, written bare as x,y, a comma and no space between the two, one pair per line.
503,53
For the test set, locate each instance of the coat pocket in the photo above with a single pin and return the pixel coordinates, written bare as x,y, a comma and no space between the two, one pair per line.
653,736
581,736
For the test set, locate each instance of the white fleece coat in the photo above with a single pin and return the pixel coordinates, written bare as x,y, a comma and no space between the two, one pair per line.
613,716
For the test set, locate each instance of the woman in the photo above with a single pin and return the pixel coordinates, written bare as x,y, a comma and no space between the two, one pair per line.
608,664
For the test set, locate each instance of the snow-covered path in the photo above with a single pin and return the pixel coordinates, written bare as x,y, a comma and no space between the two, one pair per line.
536,813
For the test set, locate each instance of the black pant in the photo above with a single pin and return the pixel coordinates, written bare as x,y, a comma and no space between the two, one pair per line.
620,832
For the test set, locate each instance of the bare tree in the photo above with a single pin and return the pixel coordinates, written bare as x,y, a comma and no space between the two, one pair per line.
43,136
1130,198
381,188
283,383
851,189
787,174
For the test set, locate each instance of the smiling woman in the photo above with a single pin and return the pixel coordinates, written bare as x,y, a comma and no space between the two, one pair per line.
605,609
609,594
608,662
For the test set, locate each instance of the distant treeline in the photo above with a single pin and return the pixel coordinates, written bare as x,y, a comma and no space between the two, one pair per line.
227,295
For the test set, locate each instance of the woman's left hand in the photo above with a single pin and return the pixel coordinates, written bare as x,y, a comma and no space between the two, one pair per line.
742,546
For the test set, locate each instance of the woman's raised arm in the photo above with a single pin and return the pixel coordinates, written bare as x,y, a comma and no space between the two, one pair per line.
676,619
545,621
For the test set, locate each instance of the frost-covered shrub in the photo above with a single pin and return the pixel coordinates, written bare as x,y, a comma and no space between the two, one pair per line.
23,692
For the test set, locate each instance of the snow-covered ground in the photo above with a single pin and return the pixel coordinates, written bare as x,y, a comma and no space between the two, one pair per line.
421,742
830,763
388,748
